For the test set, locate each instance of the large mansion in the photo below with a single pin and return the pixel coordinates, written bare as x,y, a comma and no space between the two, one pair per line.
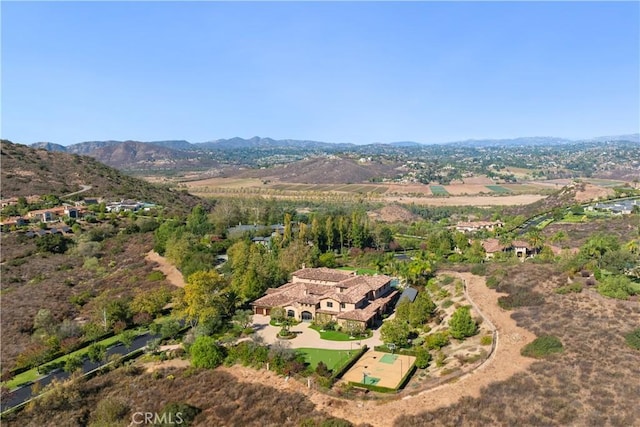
324,295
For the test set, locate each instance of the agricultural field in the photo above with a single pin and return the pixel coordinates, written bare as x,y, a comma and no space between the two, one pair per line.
438,190
498,189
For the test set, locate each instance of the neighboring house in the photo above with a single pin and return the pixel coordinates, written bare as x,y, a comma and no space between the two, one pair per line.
469,227
492,247
523,249
44,215
265,241
324,295
72,212
15,221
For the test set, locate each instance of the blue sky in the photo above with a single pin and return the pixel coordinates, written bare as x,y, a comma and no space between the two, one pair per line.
356,72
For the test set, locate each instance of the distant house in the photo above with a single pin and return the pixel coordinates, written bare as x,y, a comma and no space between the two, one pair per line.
492,247
324,295
523,249
16,221
44,215
72,212
469,227
264,241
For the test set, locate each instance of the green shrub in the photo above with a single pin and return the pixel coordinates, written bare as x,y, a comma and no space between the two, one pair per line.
619,287
633,339
155,276
461,324
447,303
423,357
572,288
180,414
542,346
206,353
109,411
479,269
486,340
437,340
492,282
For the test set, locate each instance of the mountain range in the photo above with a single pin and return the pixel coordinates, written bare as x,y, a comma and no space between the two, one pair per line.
182,154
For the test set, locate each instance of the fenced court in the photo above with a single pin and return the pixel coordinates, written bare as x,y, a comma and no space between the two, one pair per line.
380,369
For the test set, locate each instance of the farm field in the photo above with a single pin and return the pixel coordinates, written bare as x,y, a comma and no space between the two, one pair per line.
438,190
450,195
498,189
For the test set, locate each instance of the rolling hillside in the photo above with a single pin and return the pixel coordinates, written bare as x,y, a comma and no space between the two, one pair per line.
27,171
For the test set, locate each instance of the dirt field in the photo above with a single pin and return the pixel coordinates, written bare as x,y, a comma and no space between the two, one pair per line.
480,201
173,274
396,193
505,362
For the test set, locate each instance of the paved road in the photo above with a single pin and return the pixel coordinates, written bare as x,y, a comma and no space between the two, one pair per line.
308,337
23,394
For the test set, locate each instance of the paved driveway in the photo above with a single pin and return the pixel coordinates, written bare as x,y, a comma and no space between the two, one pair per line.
307,337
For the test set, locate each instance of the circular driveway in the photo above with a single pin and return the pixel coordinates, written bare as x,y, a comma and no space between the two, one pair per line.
307,337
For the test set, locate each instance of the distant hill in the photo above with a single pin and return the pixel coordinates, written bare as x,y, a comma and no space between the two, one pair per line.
325,170
136,155
258,142
29,171
49,146
541,140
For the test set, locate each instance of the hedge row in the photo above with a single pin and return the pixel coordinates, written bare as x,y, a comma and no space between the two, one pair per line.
352,361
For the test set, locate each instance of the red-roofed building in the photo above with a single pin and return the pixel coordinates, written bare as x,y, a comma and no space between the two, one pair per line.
324,295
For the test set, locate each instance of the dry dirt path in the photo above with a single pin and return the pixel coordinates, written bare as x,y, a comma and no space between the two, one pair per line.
173,274
504,363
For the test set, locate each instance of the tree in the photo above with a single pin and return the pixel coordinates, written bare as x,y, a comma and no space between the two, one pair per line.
278,314
421,309
535,238
243,318
395,332
97,352
206,353
127,337
461,324
201,296
150,302
423,357
54,243
73,363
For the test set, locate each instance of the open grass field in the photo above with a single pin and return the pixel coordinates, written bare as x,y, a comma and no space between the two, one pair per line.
438,190
472,192
380,369
332,358
498,189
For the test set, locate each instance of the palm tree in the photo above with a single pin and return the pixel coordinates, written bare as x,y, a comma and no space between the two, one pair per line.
535,238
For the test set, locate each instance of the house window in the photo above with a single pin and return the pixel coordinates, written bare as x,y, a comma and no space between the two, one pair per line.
342,305
329,304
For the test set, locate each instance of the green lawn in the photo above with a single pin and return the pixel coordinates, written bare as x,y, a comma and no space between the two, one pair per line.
332,358
361,271
334,335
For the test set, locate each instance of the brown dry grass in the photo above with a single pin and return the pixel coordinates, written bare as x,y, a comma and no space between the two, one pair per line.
33,281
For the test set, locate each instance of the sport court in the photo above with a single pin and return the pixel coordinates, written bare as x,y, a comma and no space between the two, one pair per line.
380,369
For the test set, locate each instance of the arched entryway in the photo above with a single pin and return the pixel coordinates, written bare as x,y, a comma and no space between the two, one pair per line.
307,316
291,313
